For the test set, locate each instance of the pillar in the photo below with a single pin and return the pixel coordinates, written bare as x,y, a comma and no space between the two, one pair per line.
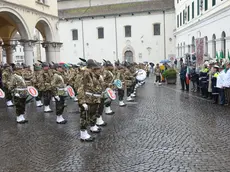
52,52
9,55
28,53
210,49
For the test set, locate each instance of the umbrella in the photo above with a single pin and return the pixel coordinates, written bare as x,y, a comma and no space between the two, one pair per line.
164,61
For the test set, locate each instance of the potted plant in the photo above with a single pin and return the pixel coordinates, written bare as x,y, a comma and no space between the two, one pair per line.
170,75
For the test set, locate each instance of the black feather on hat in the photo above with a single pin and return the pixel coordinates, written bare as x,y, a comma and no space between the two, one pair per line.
92,64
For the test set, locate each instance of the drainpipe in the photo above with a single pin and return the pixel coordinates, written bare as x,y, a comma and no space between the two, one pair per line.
164,37
116,37
83,39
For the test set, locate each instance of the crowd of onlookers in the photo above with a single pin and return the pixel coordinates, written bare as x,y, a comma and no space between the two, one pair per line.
212,80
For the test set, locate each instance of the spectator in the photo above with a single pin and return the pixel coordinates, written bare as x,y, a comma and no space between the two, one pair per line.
175,63
158,74
183,72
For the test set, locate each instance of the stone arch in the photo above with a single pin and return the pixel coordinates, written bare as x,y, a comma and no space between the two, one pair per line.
127,49
44,27
20,24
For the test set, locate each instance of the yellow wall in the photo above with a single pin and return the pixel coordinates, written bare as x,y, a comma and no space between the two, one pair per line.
51,7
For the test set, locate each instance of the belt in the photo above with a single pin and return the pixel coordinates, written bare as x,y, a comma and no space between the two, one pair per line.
20,89
94,95
62,89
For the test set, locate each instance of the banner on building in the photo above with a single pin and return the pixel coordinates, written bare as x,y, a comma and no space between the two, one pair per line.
199,51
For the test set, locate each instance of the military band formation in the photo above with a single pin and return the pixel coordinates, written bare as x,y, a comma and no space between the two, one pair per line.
92,84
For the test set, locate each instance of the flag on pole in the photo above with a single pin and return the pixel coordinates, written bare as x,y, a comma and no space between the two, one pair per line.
228,55
221,54
217,55
187,76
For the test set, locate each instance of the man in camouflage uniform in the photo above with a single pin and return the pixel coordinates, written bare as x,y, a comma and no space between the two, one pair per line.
107,82
129,79
6,77
27,74
46,86
59,92
18,85
37,81
119,74
89,97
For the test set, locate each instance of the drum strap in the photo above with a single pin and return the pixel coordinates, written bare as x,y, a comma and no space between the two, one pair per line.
94,95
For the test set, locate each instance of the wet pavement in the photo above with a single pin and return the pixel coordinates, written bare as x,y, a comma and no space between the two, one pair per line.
166,130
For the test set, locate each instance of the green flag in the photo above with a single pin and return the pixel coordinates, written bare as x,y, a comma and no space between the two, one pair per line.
221,54
228,55
217,55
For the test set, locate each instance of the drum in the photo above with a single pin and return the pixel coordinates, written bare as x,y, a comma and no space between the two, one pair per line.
141,75
109,93
2,94
70,91
32,91
118,83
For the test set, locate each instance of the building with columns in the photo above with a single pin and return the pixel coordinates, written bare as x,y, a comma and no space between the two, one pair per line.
132,30
202,28
24,17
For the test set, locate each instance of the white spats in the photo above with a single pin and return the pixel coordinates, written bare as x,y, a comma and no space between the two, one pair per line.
47,109
53,99
100,121
133,95
39,103
9,103
84,135
129,98
94,128
121,103
75,99
108,110
60,119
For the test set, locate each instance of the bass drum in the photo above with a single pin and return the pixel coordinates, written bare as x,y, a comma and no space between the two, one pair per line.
141,75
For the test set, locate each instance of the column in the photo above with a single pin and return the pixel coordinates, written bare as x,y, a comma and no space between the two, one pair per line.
9,55
218,46
210,50
52,52
28,53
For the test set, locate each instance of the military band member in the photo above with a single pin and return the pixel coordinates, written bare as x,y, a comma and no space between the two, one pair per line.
6,77
89,97
59,92
129,79
108,79
119,74
46,86
19,88
37,82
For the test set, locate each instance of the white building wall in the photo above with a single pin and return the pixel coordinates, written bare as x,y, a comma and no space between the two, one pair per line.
213,21
142,42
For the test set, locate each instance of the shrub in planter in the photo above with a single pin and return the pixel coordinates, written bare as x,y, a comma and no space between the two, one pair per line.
170,76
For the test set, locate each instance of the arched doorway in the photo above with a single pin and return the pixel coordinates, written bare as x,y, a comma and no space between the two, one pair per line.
223,43
45,50
214,46
129,56
10,24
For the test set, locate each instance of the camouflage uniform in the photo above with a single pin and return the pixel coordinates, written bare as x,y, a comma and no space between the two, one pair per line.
37,81
46,86
106,79
19,87
89,92
6,76
119,71
128,81
58,87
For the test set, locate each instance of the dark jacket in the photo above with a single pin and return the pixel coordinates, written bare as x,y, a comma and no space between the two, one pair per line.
183,73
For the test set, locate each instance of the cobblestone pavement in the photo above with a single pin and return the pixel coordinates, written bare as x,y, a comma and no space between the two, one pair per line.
167,130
